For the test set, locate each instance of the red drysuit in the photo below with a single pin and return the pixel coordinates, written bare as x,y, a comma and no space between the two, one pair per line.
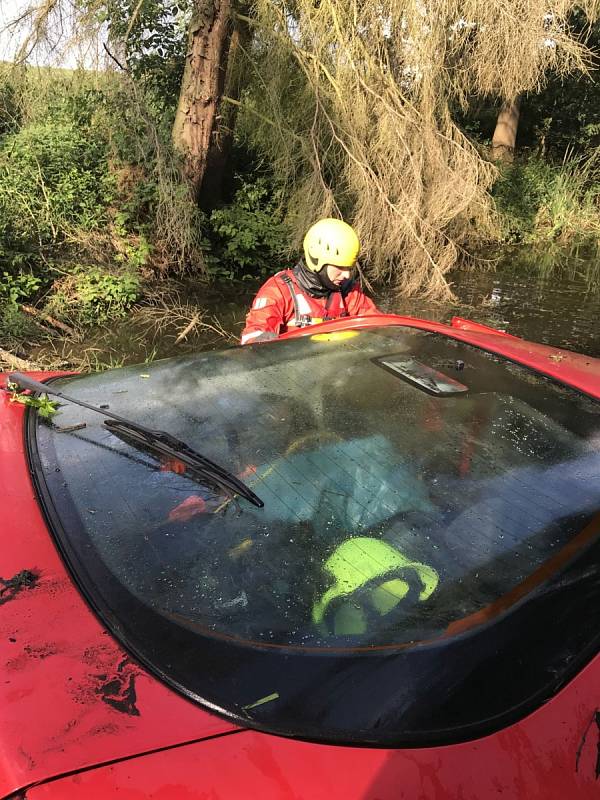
281,304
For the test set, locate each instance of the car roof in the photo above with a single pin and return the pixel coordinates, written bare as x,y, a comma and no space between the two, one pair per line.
573,369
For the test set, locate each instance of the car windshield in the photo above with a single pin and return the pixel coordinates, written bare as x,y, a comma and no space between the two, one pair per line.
425,558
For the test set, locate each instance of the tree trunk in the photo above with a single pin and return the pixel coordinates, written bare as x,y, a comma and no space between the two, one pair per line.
202,87
218,174
505,135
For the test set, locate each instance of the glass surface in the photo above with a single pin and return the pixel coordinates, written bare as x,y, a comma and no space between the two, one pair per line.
396,524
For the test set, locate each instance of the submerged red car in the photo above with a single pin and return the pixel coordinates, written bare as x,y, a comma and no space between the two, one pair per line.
361,562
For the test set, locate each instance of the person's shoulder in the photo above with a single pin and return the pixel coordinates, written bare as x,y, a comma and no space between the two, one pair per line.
275,284
283,274
280,280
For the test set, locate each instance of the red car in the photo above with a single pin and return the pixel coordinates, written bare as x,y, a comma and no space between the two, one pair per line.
362,562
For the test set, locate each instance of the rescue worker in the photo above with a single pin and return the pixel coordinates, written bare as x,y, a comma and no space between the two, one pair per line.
320,288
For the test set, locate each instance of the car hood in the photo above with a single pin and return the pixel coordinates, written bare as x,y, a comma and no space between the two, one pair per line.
71,698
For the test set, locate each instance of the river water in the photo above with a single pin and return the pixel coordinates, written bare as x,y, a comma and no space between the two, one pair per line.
559,305
551,300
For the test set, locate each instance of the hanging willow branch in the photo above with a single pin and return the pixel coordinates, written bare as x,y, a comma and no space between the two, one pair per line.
352,103
367,90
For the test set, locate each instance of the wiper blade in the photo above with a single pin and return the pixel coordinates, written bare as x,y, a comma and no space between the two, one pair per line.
156,441
197,464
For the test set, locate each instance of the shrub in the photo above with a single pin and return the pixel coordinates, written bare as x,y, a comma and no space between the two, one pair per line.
14,326
91,295
248,236
20,286
14,289
519,192
53,177
9,104
538,201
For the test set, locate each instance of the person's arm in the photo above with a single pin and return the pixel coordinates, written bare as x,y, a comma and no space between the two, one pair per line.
358,304
266,316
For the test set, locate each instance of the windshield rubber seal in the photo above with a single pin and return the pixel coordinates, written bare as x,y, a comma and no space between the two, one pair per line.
439,737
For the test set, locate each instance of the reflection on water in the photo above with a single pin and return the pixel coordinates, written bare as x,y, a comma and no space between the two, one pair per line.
558,305
542,299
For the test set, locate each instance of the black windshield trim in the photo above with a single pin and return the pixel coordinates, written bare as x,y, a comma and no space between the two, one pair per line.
431,738
438,736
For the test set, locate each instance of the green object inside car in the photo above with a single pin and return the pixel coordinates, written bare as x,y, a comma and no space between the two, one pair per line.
355,565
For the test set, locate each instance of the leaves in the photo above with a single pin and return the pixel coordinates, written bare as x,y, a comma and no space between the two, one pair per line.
45,407
249,236
91,295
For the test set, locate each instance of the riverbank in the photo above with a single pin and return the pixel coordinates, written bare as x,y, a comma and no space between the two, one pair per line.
555,303
98,232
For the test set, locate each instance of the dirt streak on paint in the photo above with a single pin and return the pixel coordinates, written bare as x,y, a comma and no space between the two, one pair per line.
595,719
10,587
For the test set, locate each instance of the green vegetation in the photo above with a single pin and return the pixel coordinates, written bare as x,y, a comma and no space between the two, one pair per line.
540,202
53,182
102,196
248,237
43,405
57,199
14,289
88,296
91,205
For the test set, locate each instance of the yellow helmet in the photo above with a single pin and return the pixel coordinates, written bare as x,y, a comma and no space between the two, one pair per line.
331,241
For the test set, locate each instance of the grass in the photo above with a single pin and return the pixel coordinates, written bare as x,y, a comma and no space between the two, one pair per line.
542,203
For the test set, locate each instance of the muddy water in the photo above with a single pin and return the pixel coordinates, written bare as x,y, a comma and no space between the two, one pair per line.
557,302
559,305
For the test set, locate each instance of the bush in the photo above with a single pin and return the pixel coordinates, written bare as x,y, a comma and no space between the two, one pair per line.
53,178
14,289
519,192
538,201
248,237
14,326
91,296
10,112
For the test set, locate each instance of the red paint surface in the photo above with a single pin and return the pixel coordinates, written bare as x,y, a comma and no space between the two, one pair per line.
536,759
60,670
67,688
477,327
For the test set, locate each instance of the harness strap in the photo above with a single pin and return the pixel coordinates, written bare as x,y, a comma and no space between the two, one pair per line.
299,319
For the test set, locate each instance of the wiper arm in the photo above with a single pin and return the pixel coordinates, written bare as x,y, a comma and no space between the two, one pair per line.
197,465
157,441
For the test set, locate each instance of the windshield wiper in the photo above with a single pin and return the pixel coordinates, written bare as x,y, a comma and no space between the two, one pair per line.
156,441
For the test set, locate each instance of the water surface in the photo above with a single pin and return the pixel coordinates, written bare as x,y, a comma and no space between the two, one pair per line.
556,302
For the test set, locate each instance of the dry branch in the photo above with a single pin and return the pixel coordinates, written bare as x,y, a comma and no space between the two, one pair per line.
166,311
14,362
192,324
351,103
366,91
34,312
